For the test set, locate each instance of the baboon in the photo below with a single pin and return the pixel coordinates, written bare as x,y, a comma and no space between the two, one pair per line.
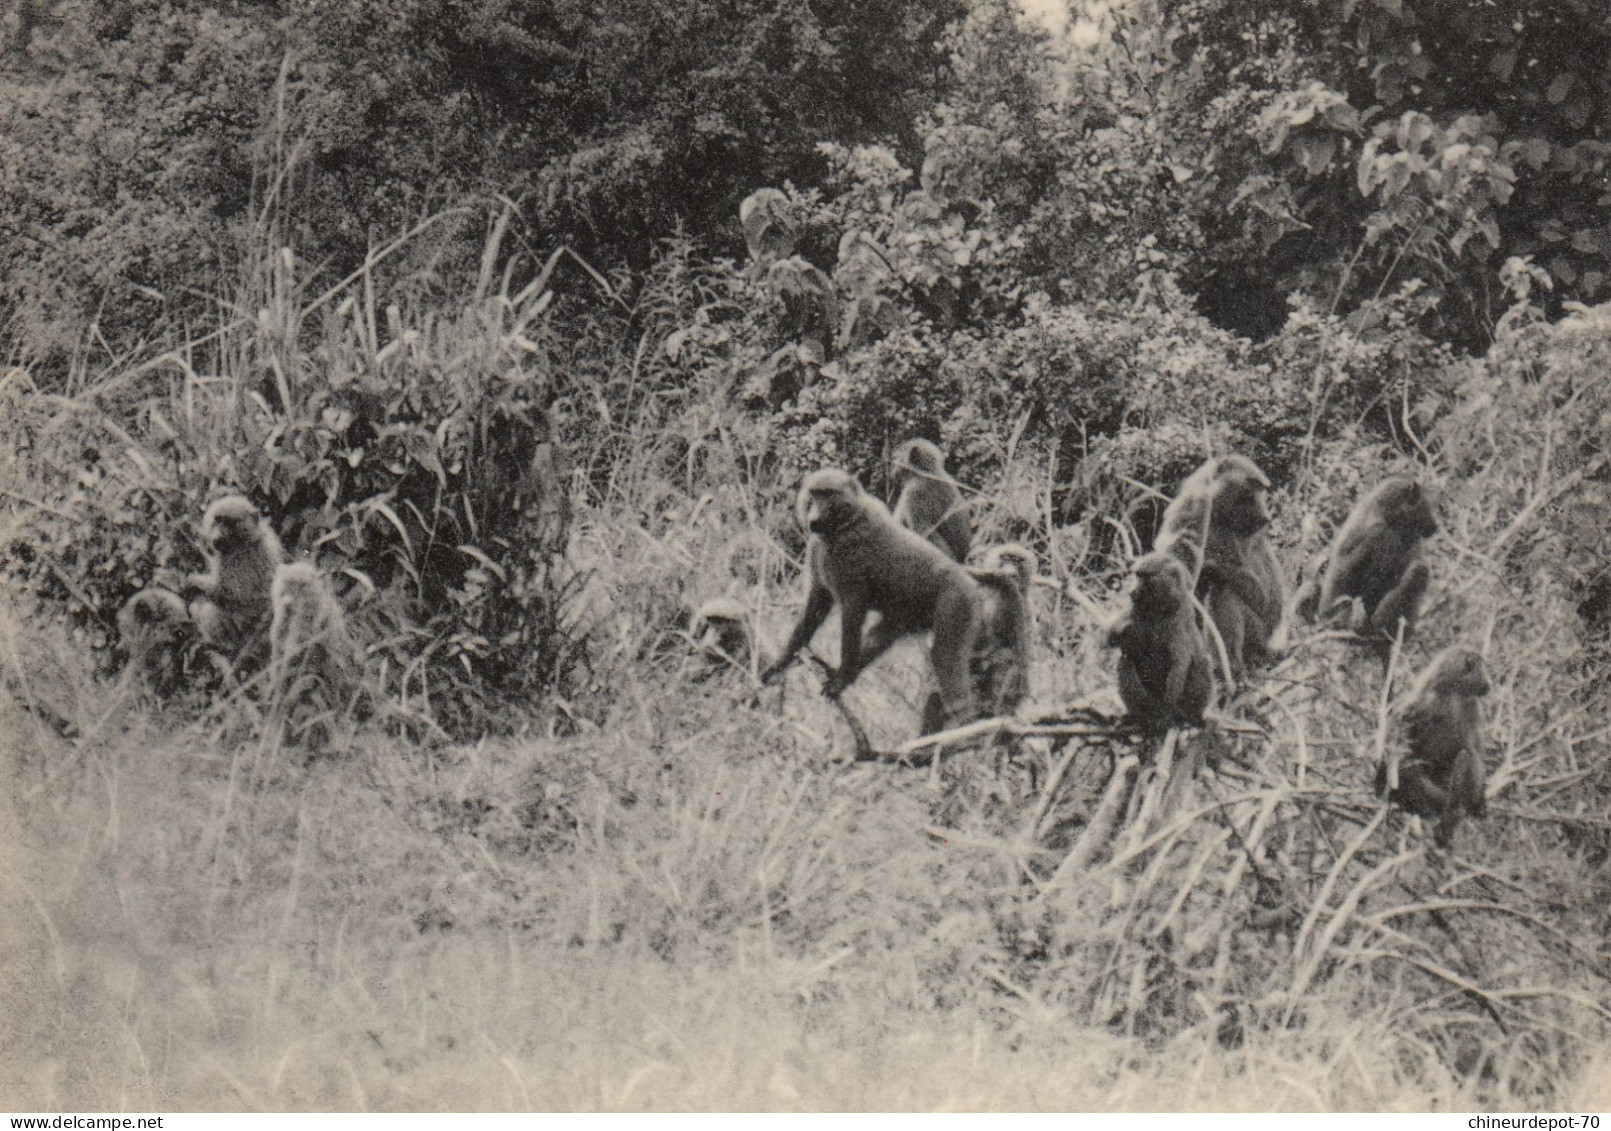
231,601
1165,677
1217,527
864,561
1375,562
1442,776
158,635
929,501
720,630
311,645
999,666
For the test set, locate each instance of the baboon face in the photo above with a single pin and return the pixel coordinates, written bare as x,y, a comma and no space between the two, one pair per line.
1161,585
1239,497
828,500
1409,507
230,523
152,617
1462,672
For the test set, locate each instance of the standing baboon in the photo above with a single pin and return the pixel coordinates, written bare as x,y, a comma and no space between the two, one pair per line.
312,648
1375,562
929,500
1165,677
231,601
1217,527
1442,776
999,666
157,633
864,561
720,630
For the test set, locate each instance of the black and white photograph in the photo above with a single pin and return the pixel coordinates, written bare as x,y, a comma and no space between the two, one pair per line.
681,556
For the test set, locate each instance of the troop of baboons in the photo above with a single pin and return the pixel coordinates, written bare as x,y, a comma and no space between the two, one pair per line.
255,611
1208,608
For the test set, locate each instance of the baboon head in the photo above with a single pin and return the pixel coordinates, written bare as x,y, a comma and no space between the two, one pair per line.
1239,495
917,457
300,582
829,500
229,523
1410,507
154,616
719,624
1460,671
1162,585
719,629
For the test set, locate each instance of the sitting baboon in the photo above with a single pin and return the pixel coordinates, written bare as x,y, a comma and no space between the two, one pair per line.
1442,775
1375,563
1165,676
864,561
999,666
1217,527
231,601
312,649
720,630
929,501
157,633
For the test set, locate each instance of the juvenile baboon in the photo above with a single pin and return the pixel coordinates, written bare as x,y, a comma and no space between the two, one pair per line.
1217,527
864,561
1165,677
1442,775
311,645
1375,561
231,601
720,630
999,666
157,633
929,501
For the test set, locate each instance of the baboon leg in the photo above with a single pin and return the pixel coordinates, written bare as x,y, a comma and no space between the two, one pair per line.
933,720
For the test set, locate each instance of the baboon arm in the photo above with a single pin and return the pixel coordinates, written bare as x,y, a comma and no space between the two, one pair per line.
1180,662
199,584
956,626
1403,601
1345,572
852,615
1239,581
818,605
1119,633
